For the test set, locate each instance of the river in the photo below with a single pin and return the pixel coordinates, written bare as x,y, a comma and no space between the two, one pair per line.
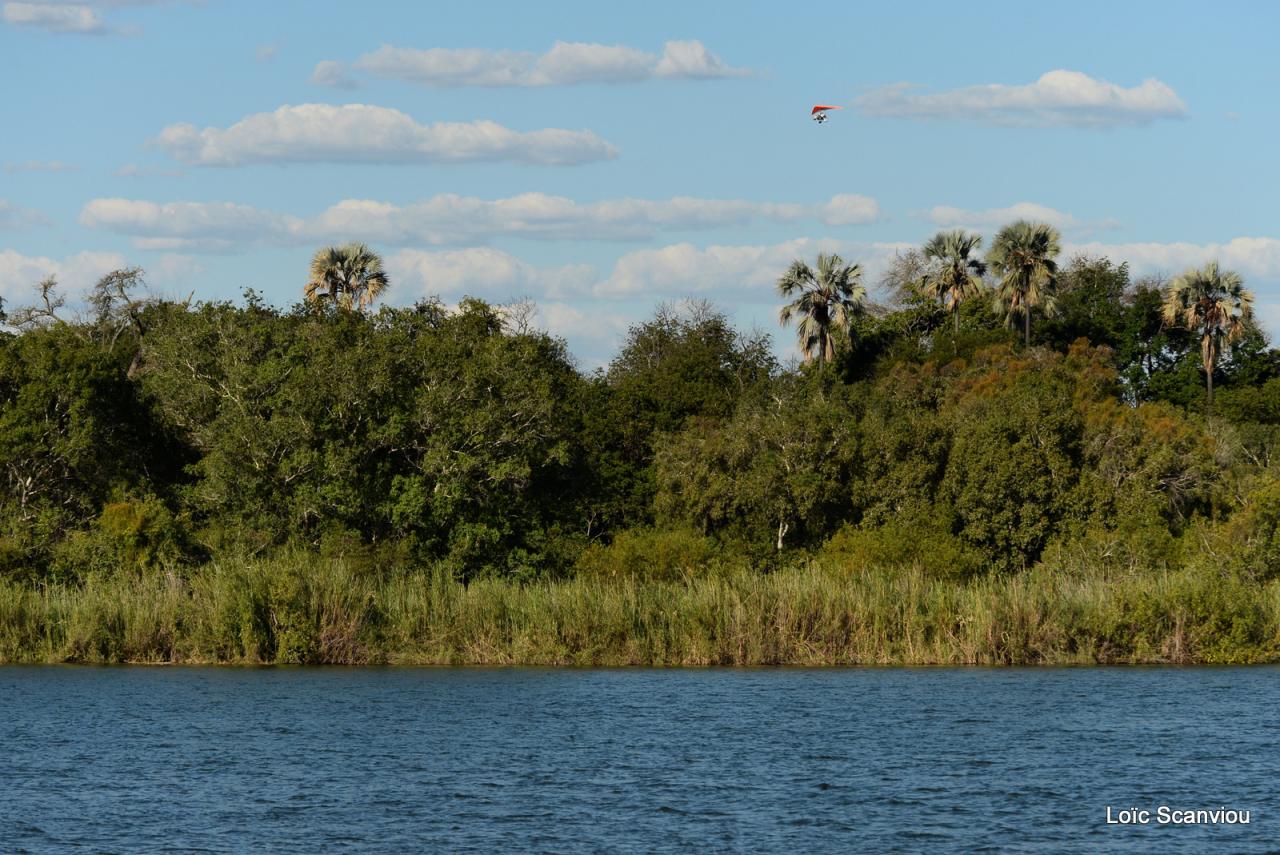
620,761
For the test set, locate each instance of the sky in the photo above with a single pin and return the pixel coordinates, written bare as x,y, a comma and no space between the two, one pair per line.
600,159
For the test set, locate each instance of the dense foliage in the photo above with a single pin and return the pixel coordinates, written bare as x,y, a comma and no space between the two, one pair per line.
157,437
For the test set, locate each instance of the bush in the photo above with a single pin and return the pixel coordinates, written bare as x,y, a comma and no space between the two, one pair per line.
666,555
140,535
901,544
1249,542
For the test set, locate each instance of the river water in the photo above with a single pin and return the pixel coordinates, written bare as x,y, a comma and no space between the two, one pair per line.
618,761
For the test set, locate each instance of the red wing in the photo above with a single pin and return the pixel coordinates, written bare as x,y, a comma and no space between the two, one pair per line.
818,108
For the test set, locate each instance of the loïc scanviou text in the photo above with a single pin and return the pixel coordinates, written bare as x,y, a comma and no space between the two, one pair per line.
1165,815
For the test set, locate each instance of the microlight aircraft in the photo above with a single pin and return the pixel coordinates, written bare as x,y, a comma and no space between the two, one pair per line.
819,112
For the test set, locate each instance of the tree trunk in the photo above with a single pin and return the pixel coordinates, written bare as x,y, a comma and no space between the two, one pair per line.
1026,316
1209,357
956,312
782,532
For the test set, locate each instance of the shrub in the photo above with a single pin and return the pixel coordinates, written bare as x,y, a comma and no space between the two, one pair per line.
140,535
1250,541
645,554
900,544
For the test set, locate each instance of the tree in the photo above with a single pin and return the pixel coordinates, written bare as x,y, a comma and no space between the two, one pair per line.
1214,304
776,473
1023,256
826,300
900,283
685,362
954,274
349,275
1090,301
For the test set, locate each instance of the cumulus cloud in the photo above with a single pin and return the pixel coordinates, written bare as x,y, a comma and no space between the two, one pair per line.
172,269
1256,257
593,331
564,64
849,209
61,16
1058,98
20,274
691,59
593,312
745,272
993,218
211,226
55,18
449,219
361,133
333,74
480,272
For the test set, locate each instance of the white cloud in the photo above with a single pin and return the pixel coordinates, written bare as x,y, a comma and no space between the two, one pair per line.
266,52
1256,257
945,215
574,302
563,319
1268,317
1058,98
328,72
579,62
173,269
212,226
40,166
480,272
450,219
565,63
13,217
745,272
20,274
592,331
55,18
691,59
848,209
360,133
994,218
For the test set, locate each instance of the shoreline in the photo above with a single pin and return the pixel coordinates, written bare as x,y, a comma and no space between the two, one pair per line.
309,611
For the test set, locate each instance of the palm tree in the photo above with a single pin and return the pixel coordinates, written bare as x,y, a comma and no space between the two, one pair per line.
350,275
1023,256
1213,303
955,274
826,300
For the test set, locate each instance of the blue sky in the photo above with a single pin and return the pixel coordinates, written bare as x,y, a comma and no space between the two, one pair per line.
599,160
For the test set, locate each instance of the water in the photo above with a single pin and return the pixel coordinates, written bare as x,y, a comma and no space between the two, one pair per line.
565,761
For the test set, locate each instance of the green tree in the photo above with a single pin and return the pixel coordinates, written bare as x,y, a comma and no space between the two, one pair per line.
955,272
826,300
1090,298
681,364
1023,256
777,473
1213,304
349,275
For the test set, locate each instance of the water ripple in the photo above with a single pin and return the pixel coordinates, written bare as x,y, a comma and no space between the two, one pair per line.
630,761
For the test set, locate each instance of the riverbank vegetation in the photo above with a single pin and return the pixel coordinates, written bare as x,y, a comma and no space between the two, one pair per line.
1009,460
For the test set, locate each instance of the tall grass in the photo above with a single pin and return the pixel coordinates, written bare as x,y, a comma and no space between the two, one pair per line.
303,609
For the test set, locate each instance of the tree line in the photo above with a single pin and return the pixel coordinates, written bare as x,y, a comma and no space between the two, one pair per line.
940,428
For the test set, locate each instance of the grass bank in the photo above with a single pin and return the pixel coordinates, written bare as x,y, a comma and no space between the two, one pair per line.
306,610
